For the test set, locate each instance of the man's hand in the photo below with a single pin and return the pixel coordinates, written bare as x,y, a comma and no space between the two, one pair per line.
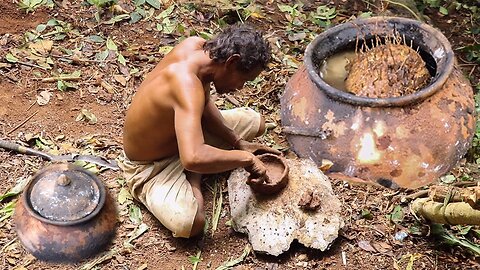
258,172
255,148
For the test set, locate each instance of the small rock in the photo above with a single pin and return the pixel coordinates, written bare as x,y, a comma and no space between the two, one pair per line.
302,264
401,235
302,257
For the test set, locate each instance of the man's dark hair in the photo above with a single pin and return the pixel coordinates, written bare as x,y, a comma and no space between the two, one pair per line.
243,40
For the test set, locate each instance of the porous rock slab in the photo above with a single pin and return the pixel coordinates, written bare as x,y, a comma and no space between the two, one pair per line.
273,222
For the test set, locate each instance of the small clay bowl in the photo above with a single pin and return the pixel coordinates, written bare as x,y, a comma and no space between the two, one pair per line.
277,175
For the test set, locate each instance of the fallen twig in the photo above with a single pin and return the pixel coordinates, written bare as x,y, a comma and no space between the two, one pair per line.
31,65
22,123
232,263
31,105
217,205
63,78
418,194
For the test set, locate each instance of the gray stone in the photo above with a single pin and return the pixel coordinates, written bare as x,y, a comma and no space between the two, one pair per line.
273,222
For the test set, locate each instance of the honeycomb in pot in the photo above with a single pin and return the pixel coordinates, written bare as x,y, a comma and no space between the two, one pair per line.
387,70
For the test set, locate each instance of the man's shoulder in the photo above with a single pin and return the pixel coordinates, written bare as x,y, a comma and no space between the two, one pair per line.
193,40
182,72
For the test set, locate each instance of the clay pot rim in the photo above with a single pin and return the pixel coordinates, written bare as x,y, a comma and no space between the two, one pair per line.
62,167
273,188
438,80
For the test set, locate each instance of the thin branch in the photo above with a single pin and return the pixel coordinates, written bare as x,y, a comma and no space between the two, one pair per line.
22,123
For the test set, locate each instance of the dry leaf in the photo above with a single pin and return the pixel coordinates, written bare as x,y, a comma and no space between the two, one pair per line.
107,87
142,267
381,247
365,245
86,115
44,97
120,79
326,165
43,47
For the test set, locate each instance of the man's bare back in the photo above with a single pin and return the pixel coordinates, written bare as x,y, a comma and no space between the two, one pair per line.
149,125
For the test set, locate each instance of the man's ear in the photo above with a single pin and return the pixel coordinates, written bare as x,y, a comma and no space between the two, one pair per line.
232,61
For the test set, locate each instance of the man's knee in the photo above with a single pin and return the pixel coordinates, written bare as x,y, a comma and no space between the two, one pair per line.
262,128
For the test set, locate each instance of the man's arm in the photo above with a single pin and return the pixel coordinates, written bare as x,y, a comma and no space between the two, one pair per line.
195,155
213,122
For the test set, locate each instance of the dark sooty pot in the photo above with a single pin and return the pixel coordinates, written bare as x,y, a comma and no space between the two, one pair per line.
406,141
65,214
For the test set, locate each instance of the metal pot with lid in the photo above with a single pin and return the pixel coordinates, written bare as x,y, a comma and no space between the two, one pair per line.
65,214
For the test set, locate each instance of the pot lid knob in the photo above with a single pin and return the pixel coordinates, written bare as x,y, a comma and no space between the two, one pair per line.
63,180
65,193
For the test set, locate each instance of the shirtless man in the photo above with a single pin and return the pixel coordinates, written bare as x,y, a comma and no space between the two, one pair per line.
173,130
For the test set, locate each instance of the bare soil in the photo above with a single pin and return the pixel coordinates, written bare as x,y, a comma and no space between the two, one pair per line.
366,242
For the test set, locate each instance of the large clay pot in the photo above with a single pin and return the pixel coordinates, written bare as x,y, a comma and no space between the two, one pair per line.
65,214
406,141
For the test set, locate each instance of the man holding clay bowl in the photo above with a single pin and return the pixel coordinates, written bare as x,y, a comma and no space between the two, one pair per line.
174,133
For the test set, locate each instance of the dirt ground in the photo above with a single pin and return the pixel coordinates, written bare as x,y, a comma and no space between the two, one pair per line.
366,242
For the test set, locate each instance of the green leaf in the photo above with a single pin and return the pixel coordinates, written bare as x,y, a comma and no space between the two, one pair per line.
167,12
366,214
10,58
169,26
21,183
7,210
415,230
285,8
62,87
397,214
464,230
195,259
96,39
205,35
135,17
448,238
118,18
365,15
443,10
76,73
135,234
52,22
448,179
124,196
121,59
232,263
165,49
154,3
111,45
40,28
135,214
102,56
138,3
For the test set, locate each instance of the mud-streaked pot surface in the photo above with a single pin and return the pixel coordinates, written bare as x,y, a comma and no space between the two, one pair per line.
65,214
406,141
